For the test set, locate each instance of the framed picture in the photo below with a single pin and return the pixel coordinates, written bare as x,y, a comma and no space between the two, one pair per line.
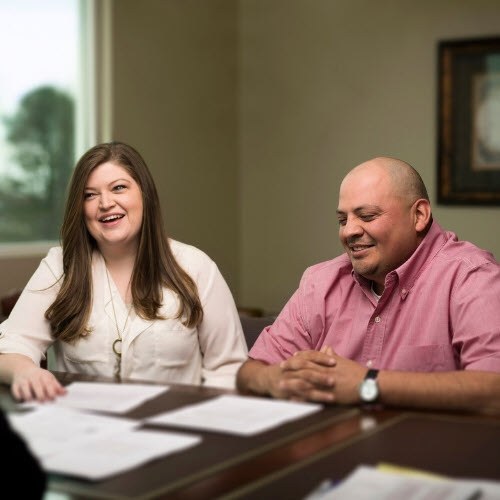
469,122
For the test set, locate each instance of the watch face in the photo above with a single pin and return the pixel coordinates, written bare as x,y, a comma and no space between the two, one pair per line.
368,390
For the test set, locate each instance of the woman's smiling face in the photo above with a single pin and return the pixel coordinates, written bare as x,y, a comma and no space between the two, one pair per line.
113,207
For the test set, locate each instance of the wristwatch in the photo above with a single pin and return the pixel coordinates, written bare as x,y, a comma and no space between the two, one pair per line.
368,389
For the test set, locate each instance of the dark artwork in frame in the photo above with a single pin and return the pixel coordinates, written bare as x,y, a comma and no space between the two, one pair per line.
469,122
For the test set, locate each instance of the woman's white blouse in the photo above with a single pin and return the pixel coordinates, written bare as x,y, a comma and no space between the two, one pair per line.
159,350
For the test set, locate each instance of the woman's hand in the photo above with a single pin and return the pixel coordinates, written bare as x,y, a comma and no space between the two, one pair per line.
35,383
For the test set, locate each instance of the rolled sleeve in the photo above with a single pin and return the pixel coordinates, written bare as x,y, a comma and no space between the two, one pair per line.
220,335
222,342
475,309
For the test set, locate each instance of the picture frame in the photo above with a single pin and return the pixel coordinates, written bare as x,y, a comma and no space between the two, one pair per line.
469,122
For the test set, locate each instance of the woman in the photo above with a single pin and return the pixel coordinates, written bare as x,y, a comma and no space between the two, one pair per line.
118,297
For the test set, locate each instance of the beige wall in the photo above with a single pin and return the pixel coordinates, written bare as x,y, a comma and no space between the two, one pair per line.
249,113
326,85
175,99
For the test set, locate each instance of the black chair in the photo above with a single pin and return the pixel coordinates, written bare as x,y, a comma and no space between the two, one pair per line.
253,325
7,303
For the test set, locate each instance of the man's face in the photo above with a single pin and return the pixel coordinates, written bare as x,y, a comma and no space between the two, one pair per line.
376,225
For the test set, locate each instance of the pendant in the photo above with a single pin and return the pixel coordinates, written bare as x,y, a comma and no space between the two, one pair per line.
117,347
117,368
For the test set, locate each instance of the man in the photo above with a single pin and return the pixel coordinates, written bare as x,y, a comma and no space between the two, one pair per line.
408,316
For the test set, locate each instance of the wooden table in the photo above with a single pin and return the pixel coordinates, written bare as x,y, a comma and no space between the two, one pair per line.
291,460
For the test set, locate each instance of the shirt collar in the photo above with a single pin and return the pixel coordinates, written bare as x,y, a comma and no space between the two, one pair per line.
408,272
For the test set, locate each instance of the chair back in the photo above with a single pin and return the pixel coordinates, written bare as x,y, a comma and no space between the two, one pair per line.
8,302
253,326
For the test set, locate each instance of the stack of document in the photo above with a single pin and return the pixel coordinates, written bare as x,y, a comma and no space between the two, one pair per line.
68,440
92,446
71,435
387,483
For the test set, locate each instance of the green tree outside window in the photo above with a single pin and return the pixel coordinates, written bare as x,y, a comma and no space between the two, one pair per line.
42,132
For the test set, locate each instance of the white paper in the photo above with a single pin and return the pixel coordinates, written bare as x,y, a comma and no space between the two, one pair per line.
490,490
92,446
48,430
241,415
101,457
111,398
369,483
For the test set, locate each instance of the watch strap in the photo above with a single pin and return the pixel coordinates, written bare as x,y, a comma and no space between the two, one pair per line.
371,373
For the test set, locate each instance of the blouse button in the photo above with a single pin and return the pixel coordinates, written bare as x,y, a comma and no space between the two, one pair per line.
377,319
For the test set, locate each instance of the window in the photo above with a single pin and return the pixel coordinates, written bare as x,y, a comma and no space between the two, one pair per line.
42,129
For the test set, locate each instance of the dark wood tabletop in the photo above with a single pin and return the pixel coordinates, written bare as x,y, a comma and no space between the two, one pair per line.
292,459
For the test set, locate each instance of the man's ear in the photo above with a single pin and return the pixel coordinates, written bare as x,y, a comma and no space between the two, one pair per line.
422,214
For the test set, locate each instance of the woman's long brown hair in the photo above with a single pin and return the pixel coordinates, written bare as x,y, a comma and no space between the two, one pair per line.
155,266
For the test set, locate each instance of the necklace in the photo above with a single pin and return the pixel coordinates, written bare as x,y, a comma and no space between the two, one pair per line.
117,343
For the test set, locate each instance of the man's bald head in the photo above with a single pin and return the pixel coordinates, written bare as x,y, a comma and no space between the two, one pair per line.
405,180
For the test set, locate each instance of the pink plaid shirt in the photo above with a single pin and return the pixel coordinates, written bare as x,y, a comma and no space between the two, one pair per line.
440,311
